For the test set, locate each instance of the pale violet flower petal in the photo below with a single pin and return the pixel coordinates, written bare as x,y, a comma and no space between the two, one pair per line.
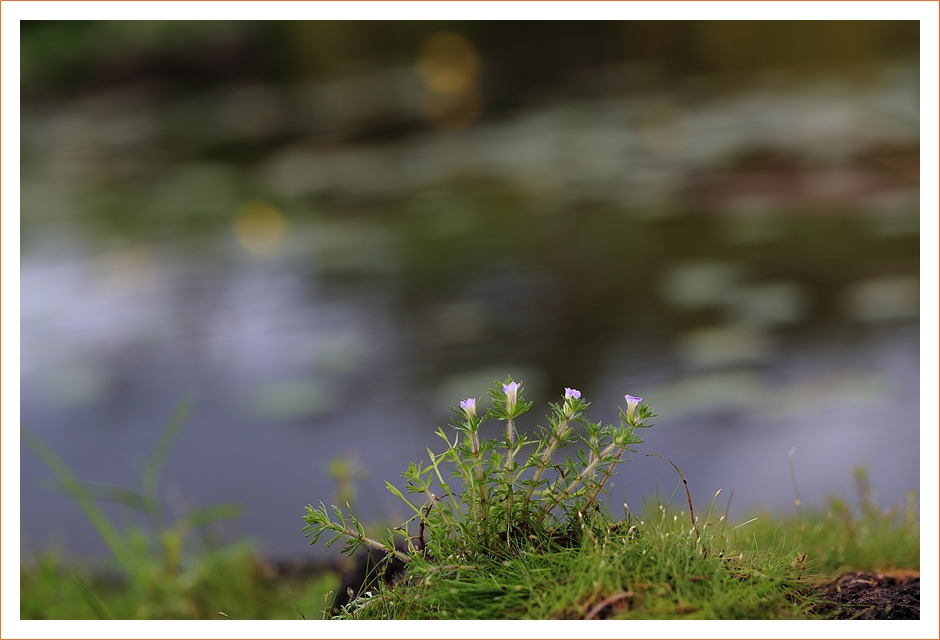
469,407
632,401
511,390
572,393
512,387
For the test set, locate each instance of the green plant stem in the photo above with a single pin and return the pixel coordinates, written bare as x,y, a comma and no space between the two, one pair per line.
466,477
511,438
475,442
685,484
100,608
435,462
609,470
375,544
543,462
158,457
587,470
435,500
796,490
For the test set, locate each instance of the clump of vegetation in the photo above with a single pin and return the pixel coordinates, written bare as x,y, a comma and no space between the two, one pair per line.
502,528
496,504
226,582
171,570
838,538
506,530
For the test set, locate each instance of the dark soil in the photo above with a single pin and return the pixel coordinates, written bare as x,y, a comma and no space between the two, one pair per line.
863,595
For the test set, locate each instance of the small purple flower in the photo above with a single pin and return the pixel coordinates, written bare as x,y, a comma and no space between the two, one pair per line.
632,401
511,390
469,407
570,396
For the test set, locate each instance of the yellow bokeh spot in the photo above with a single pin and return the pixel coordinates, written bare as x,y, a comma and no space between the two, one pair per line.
450,67
260,229
448,62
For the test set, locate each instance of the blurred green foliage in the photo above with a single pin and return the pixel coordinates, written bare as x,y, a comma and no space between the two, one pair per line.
838,538
162,572
232,580
64,57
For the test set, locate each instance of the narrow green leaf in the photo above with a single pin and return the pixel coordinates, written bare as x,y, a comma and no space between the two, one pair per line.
335,538
161,452
101,610
120,495
399,494
208,515
92,511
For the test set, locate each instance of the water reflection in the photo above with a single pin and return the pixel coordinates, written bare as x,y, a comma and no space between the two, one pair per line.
326,273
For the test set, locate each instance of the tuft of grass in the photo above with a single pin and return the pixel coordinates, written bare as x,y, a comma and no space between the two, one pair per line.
838,538
518,533
651,567
656,567
515,535
233,581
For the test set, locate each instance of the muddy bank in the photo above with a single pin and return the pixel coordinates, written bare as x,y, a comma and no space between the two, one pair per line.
865,595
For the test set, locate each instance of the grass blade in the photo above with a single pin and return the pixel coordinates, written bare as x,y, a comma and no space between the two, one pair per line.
120,495
207,515
157,460
101,610
79,492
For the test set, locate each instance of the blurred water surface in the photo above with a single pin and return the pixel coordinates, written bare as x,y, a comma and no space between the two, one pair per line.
326,262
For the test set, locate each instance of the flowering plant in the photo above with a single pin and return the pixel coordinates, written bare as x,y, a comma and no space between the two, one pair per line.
499,495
